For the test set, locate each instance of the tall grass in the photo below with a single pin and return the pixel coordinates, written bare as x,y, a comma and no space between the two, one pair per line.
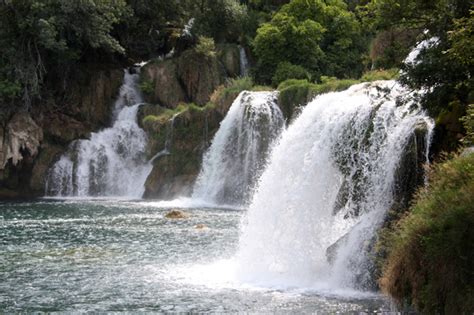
431,250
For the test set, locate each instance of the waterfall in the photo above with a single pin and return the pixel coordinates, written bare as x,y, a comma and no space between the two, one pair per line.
244,62
110,163
168,140
329,183
239,149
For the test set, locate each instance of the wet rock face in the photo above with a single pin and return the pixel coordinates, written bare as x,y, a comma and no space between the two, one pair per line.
409,176
200,76
189,78
92,96
164,80
410,172
22,137
182,142
229,56
31,142
19,145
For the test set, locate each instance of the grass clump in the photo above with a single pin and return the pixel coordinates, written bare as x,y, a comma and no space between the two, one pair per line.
294,92
431,249
375,75
224,95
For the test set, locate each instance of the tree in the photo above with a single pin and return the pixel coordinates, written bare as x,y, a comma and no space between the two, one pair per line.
444,68
38,36
321,36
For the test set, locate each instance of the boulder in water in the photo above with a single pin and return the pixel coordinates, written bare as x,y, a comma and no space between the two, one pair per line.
201,227
176,214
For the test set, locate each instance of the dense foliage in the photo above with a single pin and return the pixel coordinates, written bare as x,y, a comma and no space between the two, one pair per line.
444,68
432,249
37,36
323,37
43,40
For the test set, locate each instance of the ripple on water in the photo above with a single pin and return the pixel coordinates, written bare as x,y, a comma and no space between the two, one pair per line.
116,255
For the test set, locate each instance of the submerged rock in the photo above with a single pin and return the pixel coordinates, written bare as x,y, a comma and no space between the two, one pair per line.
176,214
201,227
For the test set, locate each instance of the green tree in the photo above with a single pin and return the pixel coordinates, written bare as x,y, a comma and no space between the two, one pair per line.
321,36
41,36
223,20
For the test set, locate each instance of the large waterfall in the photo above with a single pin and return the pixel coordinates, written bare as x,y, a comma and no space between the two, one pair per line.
110,163
330,181
239,149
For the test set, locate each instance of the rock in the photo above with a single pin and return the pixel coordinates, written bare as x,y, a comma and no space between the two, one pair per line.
91,96
167,89
176,214
229,56
48,154
22,137
63,129
200,76
188,137
410,173
190,77
467,151
201,227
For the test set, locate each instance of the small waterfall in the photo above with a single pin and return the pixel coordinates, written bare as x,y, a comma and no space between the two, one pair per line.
168,141
330,181
244,62
239,149
110,163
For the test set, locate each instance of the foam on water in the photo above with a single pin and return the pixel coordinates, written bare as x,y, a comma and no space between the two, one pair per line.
112,162
346,144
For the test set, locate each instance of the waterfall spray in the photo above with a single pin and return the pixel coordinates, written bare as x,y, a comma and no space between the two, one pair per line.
112,162
330,180
239,149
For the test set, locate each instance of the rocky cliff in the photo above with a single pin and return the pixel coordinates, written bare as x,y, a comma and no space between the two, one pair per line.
177,141
31,141
190,77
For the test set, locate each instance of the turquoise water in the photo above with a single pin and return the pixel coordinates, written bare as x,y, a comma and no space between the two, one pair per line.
117,255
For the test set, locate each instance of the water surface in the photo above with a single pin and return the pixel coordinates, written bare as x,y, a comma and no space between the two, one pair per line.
118,255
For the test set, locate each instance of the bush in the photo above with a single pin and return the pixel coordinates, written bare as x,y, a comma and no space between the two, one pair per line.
224,95
205,47
430,262
286,70
468,122
375,75
147,87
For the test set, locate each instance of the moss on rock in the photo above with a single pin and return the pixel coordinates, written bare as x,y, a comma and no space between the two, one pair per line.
182,135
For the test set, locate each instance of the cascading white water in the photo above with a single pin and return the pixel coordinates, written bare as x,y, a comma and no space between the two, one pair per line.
244,62
346,143
110,163
239,149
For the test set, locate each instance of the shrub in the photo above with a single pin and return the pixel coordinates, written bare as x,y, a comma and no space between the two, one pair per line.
294,93
205,47
430,262
147,87
468,122
390,74
286,70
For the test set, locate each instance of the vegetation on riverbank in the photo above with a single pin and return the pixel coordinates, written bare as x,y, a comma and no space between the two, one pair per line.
431,249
